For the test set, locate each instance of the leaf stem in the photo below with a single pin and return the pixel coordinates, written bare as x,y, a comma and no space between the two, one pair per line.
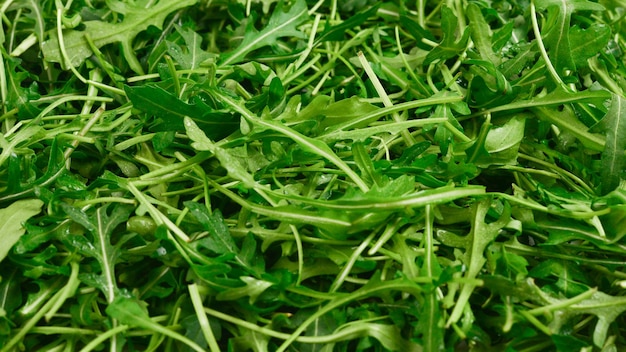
205,327
97,342
408,138
533,18
310,144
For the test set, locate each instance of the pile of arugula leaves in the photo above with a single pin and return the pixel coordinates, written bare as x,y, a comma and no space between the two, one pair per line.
264,175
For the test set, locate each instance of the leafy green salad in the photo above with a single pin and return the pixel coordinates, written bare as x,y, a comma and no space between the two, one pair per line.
316,176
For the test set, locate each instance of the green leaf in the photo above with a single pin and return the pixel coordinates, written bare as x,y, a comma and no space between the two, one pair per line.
443,136
475,243
606,307
18,96
101,224
171,111
365,165
337,32
281,24
613,159
502,143
251,340
588,42
566,343
417,32
252,289
11,222
481,34
525,55
132,312
556,31
344,111
137,18
570,281
192,56
448,47
234,160
307,144
220,240
492,88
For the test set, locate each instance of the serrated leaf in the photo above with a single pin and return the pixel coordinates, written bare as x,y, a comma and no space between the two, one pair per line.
100,224
481,34
220,240
555,33
475,243
606,307
133,312
171,110
11,222
18,96
281,24
192,55
449,47
137,18
232,159
613,160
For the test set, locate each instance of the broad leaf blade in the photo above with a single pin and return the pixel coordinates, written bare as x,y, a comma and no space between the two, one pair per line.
171,111
613,160
11,220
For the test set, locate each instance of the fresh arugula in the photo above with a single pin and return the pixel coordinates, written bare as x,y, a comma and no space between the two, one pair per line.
303,175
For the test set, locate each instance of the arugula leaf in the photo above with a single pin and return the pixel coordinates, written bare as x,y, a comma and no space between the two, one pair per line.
131,312
253,191
481,34
18,96
12,218
416,31
193,56
101,226
281,24
613,158
606,307
557,29
172,111
481,235
502,143
588,42
448,47
137,18
337,32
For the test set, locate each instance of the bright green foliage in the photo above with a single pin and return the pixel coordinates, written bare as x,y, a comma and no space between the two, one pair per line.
137,18
11,222
298,175
281,24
